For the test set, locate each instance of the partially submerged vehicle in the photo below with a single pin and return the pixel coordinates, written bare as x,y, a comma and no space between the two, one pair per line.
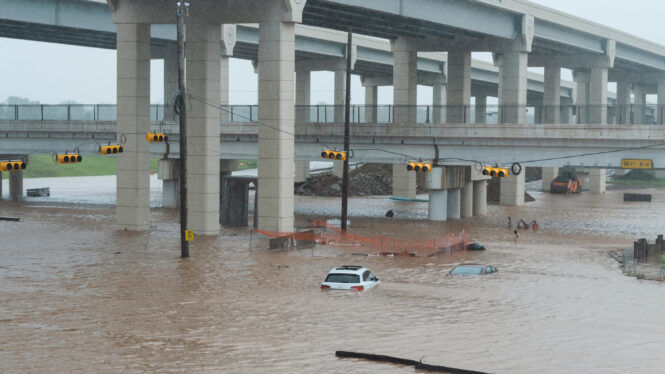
566,184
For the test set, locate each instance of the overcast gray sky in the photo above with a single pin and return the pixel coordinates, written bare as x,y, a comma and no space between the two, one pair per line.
53,73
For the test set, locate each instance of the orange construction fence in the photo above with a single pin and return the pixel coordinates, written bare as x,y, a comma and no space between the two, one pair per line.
326,234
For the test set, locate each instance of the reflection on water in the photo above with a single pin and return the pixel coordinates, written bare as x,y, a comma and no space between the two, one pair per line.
78,296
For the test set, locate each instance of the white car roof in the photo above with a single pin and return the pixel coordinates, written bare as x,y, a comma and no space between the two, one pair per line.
348,269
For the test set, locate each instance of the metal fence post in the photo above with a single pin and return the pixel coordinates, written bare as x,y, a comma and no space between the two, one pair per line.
42,111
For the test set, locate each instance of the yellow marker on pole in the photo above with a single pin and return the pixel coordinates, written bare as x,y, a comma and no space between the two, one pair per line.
189,235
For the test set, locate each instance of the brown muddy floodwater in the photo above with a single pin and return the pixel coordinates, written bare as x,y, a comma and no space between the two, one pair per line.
77,296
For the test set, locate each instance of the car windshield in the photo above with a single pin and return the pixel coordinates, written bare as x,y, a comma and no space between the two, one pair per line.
342,278
467,270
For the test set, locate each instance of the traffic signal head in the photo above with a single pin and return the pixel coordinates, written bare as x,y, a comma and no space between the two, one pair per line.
334,155
12,165
69,158
419,166
156,137
496,172
110,149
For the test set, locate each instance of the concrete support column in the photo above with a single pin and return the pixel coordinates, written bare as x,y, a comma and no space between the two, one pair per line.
203,80
302,171
640,103
405,82
453,206
371,100
133,114
512,190
552,94
303,84
598,96
480,198
467,199
566,111
481,108
340,95
276,109
514,87
170,76
338,169
660,110
582,100
404,182
16,185
437,209
547,175
623,103
168,170
459,87
439,92
597,180
224,94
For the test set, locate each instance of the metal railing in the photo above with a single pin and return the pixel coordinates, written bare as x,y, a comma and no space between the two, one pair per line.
426,114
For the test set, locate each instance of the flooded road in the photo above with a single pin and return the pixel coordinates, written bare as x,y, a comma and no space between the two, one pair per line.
78,296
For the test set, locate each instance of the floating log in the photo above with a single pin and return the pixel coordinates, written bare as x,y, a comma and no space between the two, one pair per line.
402,361
637,197
15,219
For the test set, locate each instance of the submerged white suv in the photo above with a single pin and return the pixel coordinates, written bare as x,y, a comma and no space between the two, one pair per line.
350,278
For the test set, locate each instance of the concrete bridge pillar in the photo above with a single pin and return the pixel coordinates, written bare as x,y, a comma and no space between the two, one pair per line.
660,112
437,209
170,80
639,91
512,190
16,185
302,171
340,95
459,87
547,175
133,113
276,109
481,109
582,79
303,97
514,86
405,82
598,96
623,103
566,111
454,197
597,180
466,209
203,81
404,182
439,92
228,38
168,170
480,198
371,100
552,94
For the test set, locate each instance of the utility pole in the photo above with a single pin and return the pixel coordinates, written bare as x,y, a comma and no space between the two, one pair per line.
347,112
182,11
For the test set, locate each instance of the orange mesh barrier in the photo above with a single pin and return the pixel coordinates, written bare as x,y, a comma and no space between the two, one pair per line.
378,245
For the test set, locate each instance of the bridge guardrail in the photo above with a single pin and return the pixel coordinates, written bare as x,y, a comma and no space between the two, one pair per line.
426,114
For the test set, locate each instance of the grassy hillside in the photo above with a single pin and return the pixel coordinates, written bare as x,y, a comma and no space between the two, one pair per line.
43,166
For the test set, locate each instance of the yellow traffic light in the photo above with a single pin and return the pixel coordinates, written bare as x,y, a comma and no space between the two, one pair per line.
69,158
496,172
110,149
334,155
419,166
12,165
156,137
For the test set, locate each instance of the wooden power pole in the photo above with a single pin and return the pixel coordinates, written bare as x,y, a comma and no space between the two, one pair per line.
347,113
182,11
